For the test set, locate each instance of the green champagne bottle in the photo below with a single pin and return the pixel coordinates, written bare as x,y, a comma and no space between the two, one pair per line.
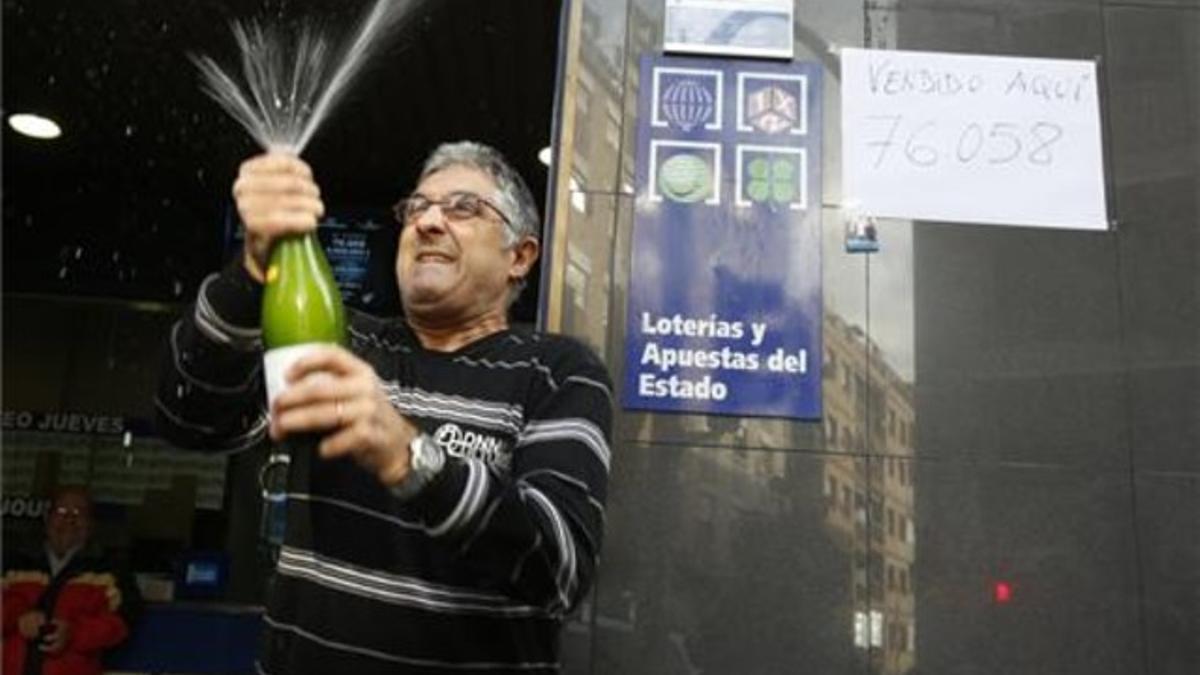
301,309
301,305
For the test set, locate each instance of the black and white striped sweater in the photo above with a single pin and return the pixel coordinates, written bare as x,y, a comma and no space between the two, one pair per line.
478,572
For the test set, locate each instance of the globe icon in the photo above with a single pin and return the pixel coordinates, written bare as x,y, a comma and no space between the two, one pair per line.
687,104
685,178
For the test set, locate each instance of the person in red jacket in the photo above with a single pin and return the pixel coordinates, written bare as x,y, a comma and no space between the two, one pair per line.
64,606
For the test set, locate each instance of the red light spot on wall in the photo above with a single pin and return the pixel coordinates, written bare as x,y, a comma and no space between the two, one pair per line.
1002,592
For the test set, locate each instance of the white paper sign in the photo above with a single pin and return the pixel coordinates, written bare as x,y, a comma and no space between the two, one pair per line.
974,139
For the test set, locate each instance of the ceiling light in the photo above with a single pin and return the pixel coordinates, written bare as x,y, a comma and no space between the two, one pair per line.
34,125
545,155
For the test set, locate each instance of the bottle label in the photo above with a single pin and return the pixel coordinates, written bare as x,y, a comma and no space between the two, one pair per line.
276,363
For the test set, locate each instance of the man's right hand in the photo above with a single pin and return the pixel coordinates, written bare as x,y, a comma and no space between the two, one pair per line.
276,196
29,623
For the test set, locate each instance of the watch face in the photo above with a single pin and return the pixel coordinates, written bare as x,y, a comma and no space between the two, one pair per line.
424,455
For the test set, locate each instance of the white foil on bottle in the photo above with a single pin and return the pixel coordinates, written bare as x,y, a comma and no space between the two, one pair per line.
276,363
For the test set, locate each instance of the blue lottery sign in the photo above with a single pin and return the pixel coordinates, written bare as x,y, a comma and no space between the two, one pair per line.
725,288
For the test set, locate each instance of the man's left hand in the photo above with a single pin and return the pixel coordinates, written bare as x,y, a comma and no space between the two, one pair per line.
57,638
333,392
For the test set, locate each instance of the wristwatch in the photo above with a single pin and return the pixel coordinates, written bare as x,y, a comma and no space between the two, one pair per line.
426,459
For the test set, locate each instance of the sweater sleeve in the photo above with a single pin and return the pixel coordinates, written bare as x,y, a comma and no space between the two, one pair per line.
210,391
538,531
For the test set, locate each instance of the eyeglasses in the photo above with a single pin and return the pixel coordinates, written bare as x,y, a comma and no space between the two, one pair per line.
456,207
73,513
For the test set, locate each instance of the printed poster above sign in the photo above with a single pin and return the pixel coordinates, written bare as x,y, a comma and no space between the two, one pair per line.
725,308
729,27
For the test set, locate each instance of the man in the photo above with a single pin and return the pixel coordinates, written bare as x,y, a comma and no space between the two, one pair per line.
63,607
453,511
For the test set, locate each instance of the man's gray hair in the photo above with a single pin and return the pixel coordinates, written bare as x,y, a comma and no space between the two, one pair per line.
514,198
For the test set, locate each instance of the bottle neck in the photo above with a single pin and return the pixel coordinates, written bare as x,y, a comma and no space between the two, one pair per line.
304,246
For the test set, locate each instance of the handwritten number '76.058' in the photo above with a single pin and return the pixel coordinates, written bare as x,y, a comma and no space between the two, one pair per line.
996,143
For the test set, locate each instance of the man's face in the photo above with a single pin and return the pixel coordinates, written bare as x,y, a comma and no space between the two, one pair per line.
455,270
69,522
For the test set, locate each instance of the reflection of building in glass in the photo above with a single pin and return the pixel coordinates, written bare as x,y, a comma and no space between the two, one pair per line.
769,527
746,539
596,116
590,145
869,501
